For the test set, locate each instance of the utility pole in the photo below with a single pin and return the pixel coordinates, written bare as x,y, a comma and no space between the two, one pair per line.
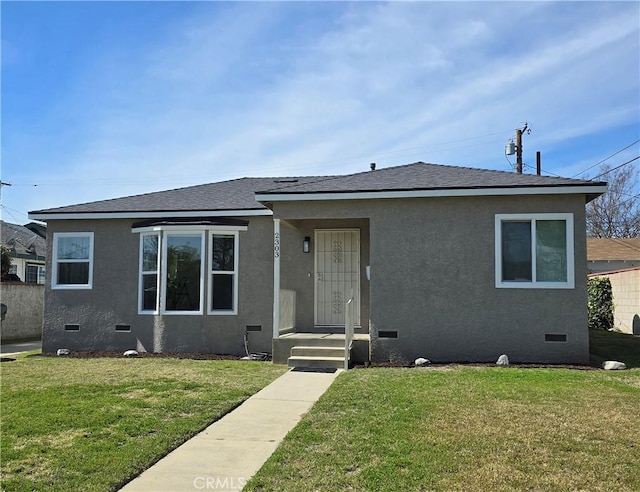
519,132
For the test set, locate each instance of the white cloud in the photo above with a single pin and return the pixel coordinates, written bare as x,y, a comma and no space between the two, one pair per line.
223,96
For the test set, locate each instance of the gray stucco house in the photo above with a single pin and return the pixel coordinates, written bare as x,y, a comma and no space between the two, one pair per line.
444,262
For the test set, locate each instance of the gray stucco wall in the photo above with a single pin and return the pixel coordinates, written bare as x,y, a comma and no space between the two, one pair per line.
433,280
113,300
24,310
297,268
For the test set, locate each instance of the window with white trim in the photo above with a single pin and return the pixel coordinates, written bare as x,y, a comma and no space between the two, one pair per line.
34,273
534,251
223,268
72,260
149,266
172,271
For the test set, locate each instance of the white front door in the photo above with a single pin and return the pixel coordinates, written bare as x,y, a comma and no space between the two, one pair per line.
337,275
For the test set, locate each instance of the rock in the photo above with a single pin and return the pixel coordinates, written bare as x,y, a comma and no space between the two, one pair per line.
503,360
63,352
131,353
421,361
613,365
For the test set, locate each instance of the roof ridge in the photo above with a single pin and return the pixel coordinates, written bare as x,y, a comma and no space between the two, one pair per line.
322,179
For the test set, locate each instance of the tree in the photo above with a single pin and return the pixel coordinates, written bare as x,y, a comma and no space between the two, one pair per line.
6,259
617,212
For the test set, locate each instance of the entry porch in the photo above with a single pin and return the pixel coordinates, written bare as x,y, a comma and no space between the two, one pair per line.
321,292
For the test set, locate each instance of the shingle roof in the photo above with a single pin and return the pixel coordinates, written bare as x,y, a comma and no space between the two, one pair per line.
240,194
237,194
423,176
21,241
619,249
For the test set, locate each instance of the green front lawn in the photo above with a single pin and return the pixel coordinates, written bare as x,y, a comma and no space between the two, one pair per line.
93,424
465,428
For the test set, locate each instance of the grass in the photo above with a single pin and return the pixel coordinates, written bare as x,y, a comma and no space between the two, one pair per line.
609,345
465,428
93,424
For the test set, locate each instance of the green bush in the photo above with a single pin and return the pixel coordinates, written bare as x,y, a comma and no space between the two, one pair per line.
5,253
600,302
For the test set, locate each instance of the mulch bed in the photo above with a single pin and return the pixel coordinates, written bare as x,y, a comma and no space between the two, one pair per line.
119,355
197,356
481,364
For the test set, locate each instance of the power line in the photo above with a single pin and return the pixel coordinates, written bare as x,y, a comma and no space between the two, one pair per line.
607,158
614,168
370,157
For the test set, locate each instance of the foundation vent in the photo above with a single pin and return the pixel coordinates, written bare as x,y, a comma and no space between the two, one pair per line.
387,334
555,337
71,327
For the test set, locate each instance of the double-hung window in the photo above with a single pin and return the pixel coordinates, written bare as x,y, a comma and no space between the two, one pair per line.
534,251
72,260
172,271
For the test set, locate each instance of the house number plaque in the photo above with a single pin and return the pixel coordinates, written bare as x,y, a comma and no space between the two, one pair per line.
276,245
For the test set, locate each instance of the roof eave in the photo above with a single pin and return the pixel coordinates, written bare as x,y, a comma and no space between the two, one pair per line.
591,191
156,214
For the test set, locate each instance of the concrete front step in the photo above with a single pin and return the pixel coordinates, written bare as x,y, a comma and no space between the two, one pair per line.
311,340
317,362
314,351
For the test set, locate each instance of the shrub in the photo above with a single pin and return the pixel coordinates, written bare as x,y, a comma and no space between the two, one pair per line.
5,253
600,302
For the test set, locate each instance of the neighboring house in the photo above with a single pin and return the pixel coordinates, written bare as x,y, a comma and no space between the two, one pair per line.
625,287
22,289
28,250
442,262
609,254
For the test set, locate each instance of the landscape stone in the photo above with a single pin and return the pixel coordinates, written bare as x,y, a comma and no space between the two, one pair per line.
614,365
503,360
421,361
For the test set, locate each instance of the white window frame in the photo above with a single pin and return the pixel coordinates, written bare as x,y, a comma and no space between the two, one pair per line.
533,218
142,273
40,273
206,233
54,262
211,273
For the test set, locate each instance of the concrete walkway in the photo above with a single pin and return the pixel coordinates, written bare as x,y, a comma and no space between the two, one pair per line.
12,349
229,452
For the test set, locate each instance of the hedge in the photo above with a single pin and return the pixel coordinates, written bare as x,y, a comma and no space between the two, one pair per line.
600,302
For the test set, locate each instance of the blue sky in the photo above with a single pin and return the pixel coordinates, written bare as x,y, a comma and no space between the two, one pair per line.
108,99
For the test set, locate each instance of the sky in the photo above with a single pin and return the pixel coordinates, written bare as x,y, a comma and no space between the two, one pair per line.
107,99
